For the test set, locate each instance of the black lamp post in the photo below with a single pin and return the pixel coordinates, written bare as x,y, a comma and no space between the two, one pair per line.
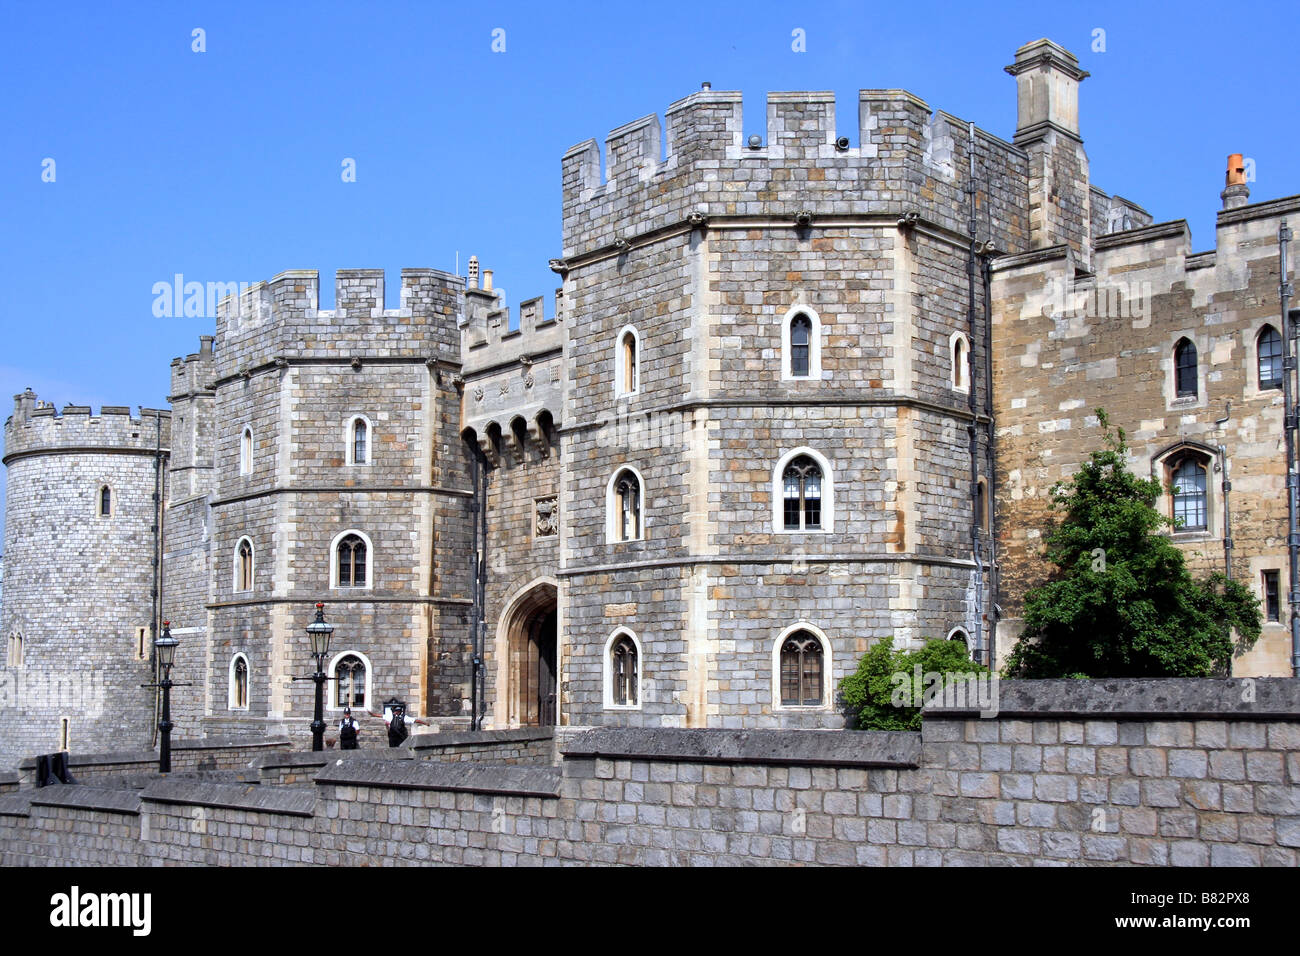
166,648
320,633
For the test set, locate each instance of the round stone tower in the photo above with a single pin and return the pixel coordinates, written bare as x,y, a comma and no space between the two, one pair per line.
79,575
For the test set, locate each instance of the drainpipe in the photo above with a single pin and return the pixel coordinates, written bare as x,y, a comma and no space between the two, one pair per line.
981,651
1227,491
1288,368
155,593
478,566
990,454
480,590
476,609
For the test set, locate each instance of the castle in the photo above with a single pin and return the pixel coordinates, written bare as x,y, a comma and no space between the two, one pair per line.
793,396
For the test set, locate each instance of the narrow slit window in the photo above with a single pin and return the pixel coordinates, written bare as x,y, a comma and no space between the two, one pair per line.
1185,369
244,565
630,370
800,346
1272,596
623,666
239,683
360,436
627,496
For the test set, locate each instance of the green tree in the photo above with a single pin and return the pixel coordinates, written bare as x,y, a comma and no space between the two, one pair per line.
1121,602
885,693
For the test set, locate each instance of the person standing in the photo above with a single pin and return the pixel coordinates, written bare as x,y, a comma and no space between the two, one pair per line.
399,722
348,731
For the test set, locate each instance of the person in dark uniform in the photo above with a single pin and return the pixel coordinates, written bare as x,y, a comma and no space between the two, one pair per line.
398,721
347,731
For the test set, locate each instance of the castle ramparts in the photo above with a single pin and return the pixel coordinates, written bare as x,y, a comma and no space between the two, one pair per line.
36,427
281,319
908,159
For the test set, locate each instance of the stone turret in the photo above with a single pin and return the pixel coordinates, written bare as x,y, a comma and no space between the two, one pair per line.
80,518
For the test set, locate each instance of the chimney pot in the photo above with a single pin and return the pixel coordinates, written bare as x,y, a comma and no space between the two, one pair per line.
1236,171
1235,191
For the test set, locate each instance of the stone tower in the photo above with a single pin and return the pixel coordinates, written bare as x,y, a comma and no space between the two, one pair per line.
336,441
80,514
797,307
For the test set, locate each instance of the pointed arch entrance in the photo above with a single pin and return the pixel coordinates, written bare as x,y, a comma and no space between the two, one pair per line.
528,658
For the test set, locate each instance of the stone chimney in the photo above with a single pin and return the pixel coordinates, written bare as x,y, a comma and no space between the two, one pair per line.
24,405
473,272
1047,128
1235,191
1047,89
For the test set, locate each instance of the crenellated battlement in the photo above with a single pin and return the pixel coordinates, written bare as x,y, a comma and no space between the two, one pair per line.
281,317
36,426
487,338
193,374
907,157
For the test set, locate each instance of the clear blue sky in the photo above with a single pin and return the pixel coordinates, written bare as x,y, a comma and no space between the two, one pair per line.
226,165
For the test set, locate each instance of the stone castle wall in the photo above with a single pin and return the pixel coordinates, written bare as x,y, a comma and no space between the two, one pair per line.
1149,291
1147,773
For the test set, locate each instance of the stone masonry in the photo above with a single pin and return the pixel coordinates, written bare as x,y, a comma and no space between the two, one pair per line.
970,301
1071,773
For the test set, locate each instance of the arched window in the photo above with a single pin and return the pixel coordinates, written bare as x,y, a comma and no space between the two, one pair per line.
357,440
1185,369
981,505
627,362
244,565
624,501
349,681
1190,507
246,451
360,433
104,504
801,485
803,675
1268,346
959,354
239,682
801,344
959,634
351,553
623,670
803,493
14,658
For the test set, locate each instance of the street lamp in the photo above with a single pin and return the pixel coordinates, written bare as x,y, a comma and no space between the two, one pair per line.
166,648
320,633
